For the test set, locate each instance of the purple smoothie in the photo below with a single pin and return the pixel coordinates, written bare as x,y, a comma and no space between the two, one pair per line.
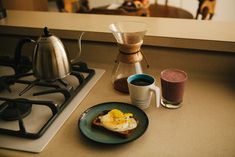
173,83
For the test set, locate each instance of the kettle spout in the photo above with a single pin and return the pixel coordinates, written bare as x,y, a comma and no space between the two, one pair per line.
75,60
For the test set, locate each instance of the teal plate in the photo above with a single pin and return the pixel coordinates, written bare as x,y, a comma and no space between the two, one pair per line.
100,136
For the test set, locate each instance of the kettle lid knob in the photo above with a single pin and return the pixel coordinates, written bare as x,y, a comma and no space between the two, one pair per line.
47,33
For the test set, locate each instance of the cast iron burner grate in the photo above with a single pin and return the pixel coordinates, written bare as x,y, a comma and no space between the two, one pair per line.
22,102
19,108
23,66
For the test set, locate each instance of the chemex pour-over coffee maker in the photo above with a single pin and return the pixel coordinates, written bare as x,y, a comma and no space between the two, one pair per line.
129,36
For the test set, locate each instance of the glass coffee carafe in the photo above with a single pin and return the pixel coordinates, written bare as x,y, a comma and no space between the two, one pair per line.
129,36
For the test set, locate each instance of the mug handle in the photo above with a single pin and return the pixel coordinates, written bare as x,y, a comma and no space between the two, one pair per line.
156,91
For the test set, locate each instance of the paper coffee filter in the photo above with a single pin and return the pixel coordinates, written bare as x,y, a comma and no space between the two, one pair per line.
128,32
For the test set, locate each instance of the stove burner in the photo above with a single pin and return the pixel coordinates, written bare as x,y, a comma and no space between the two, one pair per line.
4,85
14,110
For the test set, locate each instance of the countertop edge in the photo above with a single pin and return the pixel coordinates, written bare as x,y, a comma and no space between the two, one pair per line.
100,33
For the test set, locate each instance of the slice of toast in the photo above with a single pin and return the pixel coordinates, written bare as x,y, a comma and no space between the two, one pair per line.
97,124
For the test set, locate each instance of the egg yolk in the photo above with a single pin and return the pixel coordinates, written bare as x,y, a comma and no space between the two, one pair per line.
115,113
116,120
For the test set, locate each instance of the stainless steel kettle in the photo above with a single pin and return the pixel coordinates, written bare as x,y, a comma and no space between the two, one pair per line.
50,60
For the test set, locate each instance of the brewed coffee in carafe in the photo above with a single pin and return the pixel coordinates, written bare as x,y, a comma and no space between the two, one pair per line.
129,36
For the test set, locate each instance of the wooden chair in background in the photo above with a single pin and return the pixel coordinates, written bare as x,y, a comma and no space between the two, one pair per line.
206,9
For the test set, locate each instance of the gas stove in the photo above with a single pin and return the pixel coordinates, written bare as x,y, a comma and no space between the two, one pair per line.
32,110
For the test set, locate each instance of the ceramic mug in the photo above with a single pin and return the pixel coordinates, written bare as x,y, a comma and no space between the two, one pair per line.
141,87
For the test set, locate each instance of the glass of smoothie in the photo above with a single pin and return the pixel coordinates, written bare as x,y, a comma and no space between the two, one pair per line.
172,85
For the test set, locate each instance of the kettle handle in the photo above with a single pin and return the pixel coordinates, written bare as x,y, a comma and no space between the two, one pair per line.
75,60
18,49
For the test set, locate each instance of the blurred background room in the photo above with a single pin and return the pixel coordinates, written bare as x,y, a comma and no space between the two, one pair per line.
217,10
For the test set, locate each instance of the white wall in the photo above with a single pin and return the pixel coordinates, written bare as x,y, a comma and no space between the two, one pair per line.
225,10
98,3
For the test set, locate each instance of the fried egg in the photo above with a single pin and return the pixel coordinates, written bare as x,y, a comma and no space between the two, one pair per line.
116,120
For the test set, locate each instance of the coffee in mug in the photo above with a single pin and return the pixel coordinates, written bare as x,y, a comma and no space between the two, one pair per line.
141,82
172,84
141,87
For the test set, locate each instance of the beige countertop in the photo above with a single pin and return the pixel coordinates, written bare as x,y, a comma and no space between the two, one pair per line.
166,32
203,126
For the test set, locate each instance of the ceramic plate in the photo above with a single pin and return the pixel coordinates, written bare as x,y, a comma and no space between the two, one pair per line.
101,136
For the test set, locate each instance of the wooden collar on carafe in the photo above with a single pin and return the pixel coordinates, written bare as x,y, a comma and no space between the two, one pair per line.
129,58
131,53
